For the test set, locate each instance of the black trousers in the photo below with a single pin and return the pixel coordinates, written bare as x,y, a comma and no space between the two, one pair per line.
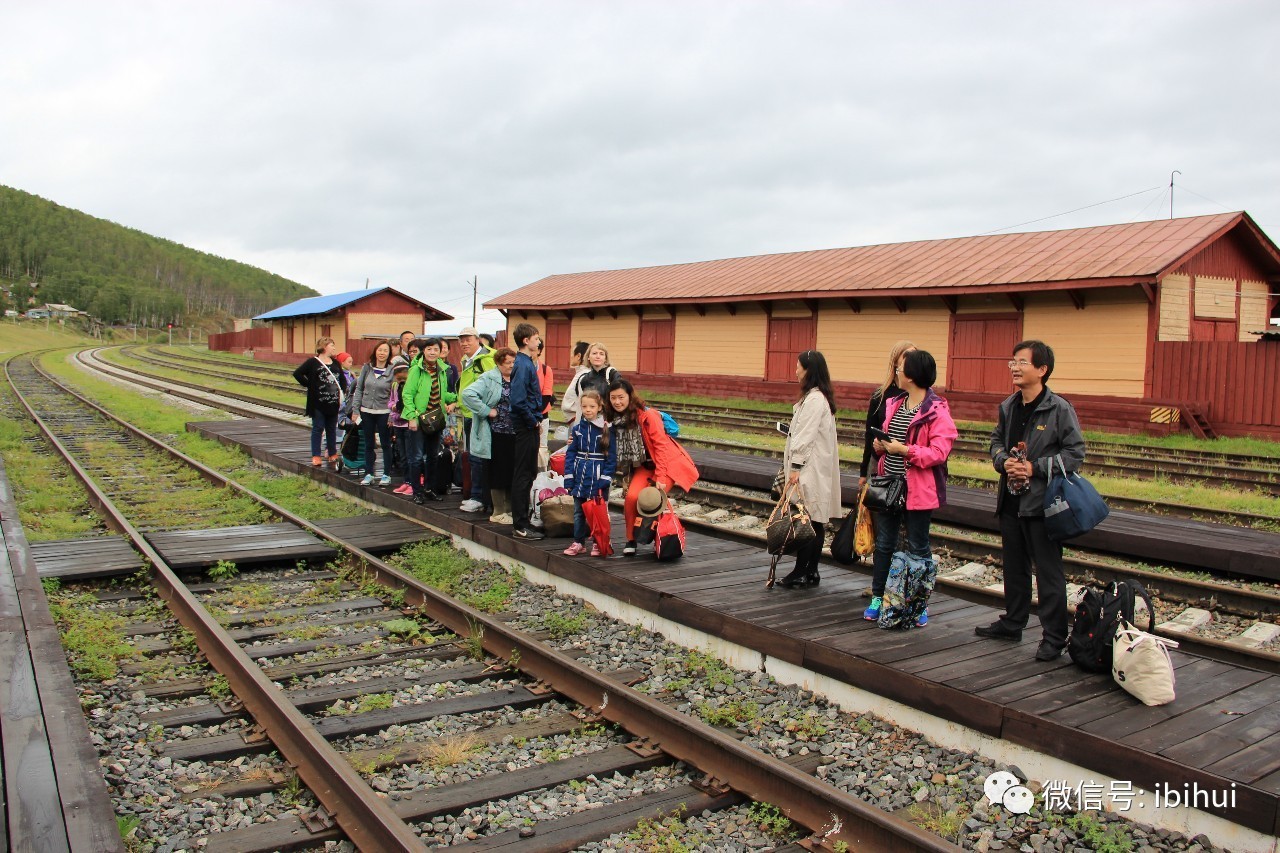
807,557
524,468
1025,544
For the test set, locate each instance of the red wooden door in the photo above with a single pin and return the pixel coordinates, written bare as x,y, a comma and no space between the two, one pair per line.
980,350
656,350
556,346
787,339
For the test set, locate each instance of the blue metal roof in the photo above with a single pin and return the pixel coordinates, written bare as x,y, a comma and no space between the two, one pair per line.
317,304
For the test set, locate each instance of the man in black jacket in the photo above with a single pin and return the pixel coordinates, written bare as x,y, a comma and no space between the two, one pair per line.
1047,425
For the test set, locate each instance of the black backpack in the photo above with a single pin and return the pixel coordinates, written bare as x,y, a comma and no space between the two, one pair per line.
1097,617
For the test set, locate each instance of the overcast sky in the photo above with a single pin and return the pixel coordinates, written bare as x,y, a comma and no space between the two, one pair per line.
420,144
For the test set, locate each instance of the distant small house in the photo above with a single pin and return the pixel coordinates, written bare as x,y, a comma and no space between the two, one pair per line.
38,314
9,312
352,319
58,310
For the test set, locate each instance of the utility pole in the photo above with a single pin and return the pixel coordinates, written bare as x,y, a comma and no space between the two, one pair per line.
475,290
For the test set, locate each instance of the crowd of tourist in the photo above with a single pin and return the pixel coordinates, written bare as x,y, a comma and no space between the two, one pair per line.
407,399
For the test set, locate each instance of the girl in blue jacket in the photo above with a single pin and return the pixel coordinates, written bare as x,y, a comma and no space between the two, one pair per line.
589,463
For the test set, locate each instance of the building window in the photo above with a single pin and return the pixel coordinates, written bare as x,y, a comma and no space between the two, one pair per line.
656,352
326,331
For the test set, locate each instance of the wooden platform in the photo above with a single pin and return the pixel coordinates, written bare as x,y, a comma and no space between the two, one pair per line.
1222,729
243,545
85,557
54,797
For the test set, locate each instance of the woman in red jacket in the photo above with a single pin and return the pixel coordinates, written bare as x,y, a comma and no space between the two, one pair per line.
645,452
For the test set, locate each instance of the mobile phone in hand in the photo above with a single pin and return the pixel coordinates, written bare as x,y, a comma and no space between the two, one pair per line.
783,428
876,432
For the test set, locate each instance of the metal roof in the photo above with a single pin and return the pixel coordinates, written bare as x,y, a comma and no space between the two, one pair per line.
1110,255
313,305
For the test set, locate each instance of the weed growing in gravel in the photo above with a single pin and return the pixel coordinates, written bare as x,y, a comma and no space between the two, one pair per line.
218,688
248,596
290,792
409,631
947,824
302,633
184,642
730,714
840,847
448,751
771,820
474,642
486,587
94,640
560,626
1099,835
714,670
665,834
222,570
807,727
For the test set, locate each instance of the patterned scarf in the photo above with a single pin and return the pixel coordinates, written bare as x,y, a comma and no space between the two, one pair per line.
630,446
433,376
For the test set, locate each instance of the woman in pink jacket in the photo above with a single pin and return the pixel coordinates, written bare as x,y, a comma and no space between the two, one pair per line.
921,433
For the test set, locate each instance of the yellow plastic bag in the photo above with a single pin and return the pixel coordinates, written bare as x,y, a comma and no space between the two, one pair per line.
864,531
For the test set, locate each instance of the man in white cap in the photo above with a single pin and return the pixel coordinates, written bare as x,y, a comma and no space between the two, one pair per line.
476,360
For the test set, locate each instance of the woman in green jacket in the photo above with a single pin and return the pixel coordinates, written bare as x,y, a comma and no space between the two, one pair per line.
426,392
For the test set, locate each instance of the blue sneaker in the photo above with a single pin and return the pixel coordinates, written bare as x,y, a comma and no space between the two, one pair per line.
924,619
368,479
872,613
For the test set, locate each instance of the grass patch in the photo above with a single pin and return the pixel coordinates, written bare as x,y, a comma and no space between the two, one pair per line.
448,751
560,626
485,586
273,395
665,834
94,640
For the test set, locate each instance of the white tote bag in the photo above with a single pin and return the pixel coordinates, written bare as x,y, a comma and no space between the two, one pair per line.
1140,664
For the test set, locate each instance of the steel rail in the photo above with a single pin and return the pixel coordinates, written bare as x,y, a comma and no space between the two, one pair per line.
823,808
1208,647
1174,509
1235,600
367,819
248,380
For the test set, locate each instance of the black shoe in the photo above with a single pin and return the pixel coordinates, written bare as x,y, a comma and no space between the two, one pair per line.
432,496
629,550
1048,651
528,533
799,580
998,631
419,498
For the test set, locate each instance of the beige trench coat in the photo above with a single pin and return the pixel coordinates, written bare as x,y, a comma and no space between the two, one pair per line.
811,447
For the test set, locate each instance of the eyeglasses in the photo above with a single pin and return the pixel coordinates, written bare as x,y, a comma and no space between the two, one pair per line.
1022,362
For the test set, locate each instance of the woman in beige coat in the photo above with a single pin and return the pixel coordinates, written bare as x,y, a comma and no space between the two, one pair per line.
812,459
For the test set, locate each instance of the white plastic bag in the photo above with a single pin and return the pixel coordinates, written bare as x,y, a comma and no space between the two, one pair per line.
1140,664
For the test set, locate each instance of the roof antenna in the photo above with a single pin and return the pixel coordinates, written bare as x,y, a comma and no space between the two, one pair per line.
1171,174
366,281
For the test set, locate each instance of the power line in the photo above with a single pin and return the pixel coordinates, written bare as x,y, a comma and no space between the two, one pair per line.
1206,198
1068,212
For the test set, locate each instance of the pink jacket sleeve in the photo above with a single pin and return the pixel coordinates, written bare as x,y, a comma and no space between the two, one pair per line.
941,436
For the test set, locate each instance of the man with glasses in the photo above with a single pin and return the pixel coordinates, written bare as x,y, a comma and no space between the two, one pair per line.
1036,431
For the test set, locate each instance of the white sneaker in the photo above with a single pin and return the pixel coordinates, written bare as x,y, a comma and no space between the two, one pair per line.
505,518
368,480
470,505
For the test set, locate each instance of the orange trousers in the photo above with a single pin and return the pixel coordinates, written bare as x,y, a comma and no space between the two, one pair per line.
640,478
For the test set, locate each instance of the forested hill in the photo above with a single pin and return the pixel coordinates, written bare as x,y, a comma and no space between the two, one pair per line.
122,275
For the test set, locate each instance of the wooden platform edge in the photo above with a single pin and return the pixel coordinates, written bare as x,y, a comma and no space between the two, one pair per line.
87,811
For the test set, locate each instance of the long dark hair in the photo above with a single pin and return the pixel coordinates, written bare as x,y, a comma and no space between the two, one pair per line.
816,375
628,415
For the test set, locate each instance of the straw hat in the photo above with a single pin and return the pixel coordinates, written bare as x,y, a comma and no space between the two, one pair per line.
650,501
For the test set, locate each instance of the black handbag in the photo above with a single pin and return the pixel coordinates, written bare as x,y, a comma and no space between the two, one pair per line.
886,493
432,420
842,546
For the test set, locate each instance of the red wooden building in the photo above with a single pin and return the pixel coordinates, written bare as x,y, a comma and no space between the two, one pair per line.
1150,321
356,320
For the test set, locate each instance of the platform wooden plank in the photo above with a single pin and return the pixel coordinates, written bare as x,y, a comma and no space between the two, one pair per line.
55,796
250,543
995,687
85,557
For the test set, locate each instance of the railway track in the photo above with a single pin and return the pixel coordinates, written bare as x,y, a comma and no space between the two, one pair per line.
307,630
1128,457
257,407
1238,601
960,576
